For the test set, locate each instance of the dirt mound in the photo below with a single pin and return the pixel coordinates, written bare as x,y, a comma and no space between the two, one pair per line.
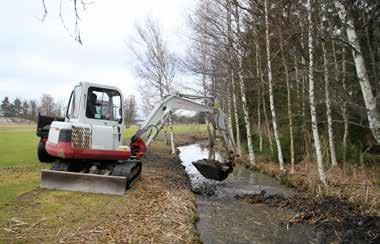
13,120
335,219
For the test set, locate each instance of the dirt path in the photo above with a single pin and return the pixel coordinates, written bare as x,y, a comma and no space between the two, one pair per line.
160,208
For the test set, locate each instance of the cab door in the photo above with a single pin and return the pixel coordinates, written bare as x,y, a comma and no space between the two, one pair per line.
103,113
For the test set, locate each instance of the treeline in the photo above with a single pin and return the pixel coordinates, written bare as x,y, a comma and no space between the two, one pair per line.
298,79
29,109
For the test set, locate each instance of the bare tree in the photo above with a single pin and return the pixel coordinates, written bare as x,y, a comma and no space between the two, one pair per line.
155,63
130,111
313,111
47,106
361,71
33,109
270,83
243,91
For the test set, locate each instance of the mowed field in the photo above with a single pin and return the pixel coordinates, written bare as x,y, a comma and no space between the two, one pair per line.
18,145
23,205
18,161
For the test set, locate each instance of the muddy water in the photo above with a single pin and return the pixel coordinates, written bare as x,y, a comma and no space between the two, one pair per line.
225,219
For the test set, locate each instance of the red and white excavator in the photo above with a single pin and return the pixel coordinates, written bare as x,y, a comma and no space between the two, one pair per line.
85,147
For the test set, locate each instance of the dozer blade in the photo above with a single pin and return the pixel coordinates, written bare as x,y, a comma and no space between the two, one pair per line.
71,181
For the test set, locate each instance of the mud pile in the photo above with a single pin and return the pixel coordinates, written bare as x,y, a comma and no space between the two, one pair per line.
333,218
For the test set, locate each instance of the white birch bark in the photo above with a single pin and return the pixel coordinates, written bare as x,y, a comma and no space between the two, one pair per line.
271,98
330,131
247,121
165,135
290,113
229,112
236,115
313,112
171,135
269,132
328,109
232,76
361,71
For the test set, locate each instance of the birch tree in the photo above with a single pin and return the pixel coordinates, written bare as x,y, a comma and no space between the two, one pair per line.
328,102
270,83
155,65
290,114
232,75
243,94
313,111
361,71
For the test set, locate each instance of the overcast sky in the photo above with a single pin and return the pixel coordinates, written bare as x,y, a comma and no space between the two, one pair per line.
40,57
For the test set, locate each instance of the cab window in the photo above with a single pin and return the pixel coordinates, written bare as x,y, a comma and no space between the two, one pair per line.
74,103
104,104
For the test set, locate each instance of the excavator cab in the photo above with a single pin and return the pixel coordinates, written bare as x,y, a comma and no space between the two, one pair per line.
85,148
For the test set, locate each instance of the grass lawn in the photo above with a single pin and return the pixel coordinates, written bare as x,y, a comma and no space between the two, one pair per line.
156,209
18,146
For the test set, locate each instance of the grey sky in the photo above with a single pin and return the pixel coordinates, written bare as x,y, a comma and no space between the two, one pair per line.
38,58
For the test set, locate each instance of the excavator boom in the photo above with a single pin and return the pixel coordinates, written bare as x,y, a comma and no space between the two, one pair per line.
158,117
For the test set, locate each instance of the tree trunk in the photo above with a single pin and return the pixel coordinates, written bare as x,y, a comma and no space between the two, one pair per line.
262,85
259,95
229,111
290,113
259,118
271,98
361,71
267,124
165,135
236,115
232,76
344,108
313,112
304,130
328,108
296,71
244,99
171,135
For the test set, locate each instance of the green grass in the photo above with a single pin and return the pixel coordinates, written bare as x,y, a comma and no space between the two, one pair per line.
50,215
189,128
19,166
18,146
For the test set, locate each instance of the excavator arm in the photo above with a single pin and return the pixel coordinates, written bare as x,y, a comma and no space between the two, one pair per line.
160,114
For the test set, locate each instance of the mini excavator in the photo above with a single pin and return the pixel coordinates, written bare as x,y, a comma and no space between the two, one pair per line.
85,148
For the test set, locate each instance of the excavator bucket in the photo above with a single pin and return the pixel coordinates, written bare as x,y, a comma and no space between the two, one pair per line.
94,183
212,169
